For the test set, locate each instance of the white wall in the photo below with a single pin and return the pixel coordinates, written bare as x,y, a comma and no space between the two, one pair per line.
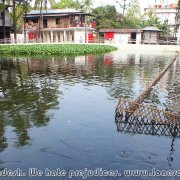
138,38
121,38
20,38
79,36
178,36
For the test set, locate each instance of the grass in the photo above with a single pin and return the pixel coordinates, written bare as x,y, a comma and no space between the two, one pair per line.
55,49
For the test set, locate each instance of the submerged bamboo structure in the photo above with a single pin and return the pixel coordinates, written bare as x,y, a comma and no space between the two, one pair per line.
127,110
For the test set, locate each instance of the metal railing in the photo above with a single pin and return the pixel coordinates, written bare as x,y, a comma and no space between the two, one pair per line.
5,41
102,40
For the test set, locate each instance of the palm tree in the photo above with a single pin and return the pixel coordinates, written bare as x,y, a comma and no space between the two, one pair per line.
39,3
87,5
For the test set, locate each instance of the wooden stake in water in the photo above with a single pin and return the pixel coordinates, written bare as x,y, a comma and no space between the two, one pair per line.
147,91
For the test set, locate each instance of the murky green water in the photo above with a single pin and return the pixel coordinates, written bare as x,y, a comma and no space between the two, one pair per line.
59,113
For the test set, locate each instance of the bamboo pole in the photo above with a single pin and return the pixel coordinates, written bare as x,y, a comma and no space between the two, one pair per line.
147,91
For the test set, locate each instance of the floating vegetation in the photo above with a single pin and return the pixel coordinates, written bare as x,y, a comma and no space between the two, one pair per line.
55,49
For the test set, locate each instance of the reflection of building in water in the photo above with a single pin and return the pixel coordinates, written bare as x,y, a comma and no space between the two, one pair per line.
37,80
7,72
80,60
108,60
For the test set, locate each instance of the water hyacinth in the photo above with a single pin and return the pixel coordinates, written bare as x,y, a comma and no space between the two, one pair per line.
54,49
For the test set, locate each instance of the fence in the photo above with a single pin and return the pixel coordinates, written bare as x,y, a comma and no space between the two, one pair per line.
20,39
132,115
5,41
146,120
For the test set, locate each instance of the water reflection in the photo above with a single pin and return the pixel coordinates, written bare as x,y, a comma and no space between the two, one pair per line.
24,99
135,125
37,92
29,87
166,93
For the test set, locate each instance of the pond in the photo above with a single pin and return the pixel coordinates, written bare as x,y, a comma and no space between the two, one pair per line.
60,113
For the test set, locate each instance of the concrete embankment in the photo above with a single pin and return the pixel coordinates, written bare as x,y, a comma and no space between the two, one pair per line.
143,47
131,47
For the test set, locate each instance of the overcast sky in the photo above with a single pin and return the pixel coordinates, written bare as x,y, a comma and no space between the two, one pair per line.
112,2
141,2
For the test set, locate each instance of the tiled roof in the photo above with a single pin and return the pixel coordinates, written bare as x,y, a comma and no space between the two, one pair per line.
54,11
121,30
151,28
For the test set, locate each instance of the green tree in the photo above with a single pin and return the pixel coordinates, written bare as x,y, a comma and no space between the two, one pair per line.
38,4
19,13
2,7
165,28
124,5
150,19
84,5
107,17
67,4
133,16
87,5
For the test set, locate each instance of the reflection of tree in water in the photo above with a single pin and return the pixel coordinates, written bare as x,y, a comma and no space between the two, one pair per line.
170,83
3,143
29,87
134,71
173,81
25,100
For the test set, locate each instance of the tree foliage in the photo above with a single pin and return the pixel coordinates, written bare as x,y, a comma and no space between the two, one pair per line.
107,17
124,5
84,5
152,20
2,7
62,4
37,3
133,16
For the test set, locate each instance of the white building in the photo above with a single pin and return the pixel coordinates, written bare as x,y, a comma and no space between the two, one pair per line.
58,25
164,9
122,36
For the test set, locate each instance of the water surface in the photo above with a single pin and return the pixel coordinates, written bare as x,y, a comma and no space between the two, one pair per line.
59,113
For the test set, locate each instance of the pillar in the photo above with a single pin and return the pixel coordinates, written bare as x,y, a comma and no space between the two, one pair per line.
87,37
65,36
44,37
51,36
56,36
47,36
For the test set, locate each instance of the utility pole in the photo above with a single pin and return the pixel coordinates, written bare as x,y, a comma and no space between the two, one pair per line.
40,22
178,22
14,21
4,23
124,7
25,14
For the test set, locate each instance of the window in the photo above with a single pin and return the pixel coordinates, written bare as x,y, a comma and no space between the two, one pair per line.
57,20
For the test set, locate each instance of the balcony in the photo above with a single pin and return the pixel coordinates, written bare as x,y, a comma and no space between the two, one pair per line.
46,25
